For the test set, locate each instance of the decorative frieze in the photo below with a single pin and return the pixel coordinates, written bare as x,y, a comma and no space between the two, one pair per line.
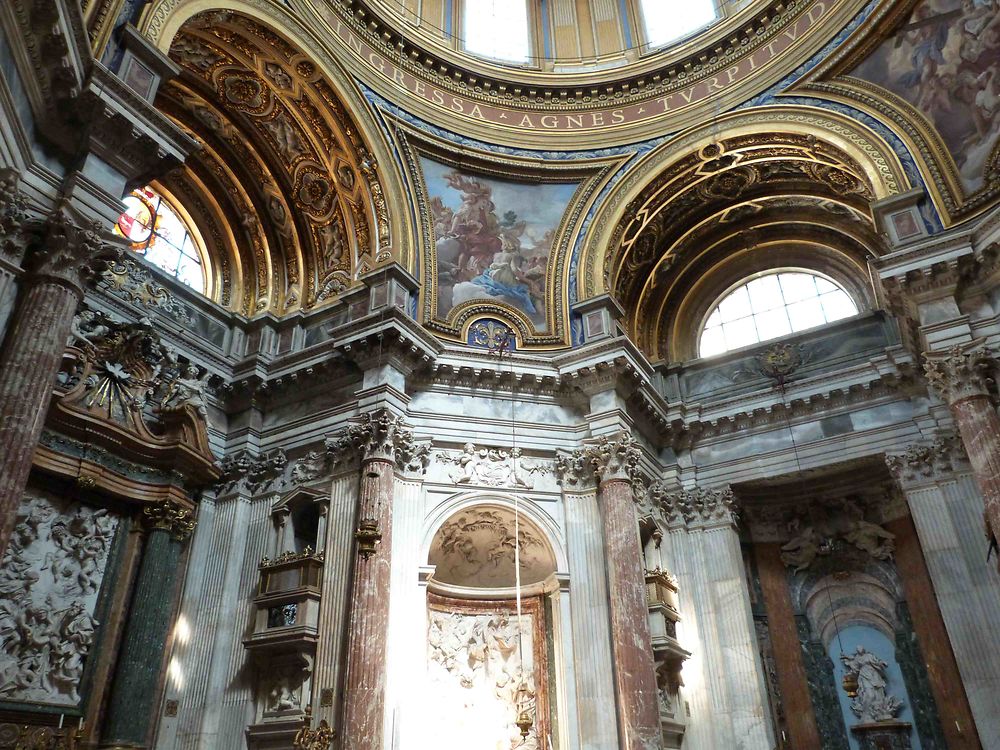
128,279
255,473
491,467
169,516
960,372
924,462
13,214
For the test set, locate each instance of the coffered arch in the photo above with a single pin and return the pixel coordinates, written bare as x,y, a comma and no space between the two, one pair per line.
291,165
754,191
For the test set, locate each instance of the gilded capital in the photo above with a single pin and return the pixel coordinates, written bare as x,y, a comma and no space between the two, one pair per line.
71,250
959,372
169,516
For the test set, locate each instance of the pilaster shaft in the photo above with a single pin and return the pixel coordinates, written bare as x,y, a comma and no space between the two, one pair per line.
959,375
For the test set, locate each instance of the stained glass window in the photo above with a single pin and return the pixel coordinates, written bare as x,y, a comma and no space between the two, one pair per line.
666,22
156,231
773,305
497,29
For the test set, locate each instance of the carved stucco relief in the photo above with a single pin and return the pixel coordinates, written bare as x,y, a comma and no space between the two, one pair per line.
475,547
50,578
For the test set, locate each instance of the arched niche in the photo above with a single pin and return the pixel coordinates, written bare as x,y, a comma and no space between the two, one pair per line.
488,654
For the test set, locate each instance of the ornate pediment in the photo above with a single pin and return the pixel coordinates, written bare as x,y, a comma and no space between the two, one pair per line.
122,390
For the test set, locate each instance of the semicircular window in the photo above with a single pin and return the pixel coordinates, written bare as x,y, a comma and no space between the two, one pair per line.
771,305
155,230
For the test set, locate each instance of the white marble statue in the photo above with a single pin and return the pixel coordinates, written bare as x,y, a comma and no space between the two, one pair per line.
187,389
872,703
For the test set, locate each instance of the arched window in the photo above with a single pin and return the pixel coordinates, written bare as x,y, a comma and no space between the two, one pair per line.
666,22
771,305
497,29
156,231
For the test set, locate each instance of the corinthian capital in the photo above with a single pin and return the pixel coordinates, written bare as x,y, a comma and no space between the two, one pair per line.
73,250
959,372
696,507
925,462
170,517
13,214
378,435
614,457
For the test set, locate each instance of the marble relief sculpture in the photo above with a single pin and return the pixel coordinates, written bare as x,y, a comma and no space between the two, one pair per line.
871,703
493,467
476,664
816,532
50,577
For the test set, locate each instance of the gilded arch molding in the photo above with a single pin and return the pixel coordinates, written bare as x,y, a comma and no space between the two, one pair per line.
163,20
877,163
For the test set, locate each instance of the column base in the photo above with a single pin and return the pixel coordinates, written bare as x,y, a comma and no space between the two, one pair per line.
883,735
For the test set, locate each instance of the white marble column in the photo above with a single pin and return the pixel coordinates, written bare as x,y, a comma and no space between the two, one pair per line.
946,508
590,618
724,678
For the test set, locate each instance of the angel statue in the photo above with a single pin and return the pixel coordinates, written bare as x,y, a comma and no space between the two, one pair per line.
187,389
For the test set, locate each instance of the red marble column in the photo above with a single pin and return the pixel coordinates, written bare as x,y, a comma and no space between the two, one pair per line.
959,375
635,672
33,349
378,436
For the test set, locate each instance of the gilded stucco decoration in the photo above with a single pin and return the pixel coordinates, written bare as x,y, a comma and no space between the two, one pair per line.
929,70
635,97
287,188
727,199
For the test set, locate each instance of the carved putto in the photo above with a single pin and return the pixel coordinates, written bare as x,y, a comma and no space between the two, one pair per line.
871,703
492,467
50,577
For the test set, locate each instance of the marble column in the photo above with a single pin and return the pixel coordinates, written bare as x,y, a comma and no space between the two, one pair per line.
132,705
58,268
940,489
615,459
728,693
959,375
380,437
